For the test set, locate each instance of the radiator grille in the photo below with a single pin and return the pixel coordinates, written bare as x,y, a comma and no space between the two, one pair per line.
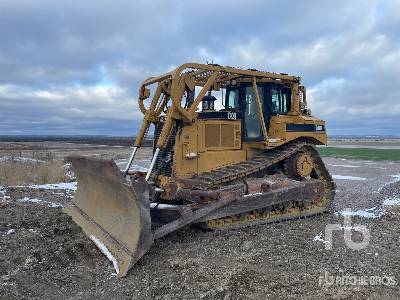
227,135
222,135
213,133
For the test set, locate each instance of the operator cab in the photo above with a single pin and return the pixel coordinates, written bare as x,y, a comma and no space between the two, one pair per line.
275,100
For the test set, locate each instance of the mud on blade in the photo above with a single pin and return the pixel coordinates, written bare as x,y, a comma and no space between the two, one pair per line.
112,212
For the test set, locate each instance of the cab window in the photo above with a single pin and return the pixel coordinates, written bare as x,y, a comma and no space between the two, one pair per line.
232,96
280,100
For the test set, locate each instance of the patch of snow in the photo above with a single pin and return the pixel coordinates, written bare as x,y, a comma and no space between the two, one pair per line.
139,168
29,261
41,202
134,167
153,205
54,205
26,199
68,172
58,193
344,177
318,238
2,193
391,202
20,159
8,283
344,166
139,165
370,213
374,212
396,178
103,248
54,186
254,194
10,231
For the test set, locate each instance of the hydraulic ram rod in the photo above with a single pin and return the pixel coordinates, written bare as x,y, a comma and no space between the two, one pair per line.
125,171
153,161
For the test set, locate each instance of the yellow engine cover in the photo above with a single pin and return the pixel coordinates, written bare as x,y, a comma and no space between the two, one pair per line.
207,145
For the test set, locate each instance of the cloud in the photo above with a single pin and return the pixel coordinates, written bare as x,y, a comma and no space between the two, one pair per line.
75,67
75,109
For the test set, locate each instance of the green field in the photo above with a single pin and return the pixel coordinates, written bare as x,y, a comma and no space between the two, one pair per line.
361,153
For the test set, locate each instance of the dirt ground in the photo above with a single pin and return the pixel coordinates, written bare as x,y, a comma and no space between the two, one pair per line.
44,255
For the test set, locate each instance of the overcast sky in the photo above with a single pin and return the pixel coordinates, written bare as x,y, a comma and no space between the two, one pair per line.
74,67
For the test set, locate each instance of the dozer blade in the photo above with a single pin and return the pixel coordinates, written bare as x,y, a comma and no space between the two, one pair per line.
113,213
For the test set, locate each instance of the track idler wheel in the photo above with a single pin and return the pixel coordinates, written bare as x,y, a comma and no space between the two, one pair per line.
299,165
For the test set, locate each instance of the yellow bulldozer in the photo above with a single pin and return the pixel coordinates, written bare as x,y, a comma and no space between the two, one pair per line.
250,162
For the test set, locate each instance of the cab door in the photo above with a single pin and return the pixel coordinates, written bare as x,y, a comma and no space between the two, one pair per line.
277,102
252,130
241,98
